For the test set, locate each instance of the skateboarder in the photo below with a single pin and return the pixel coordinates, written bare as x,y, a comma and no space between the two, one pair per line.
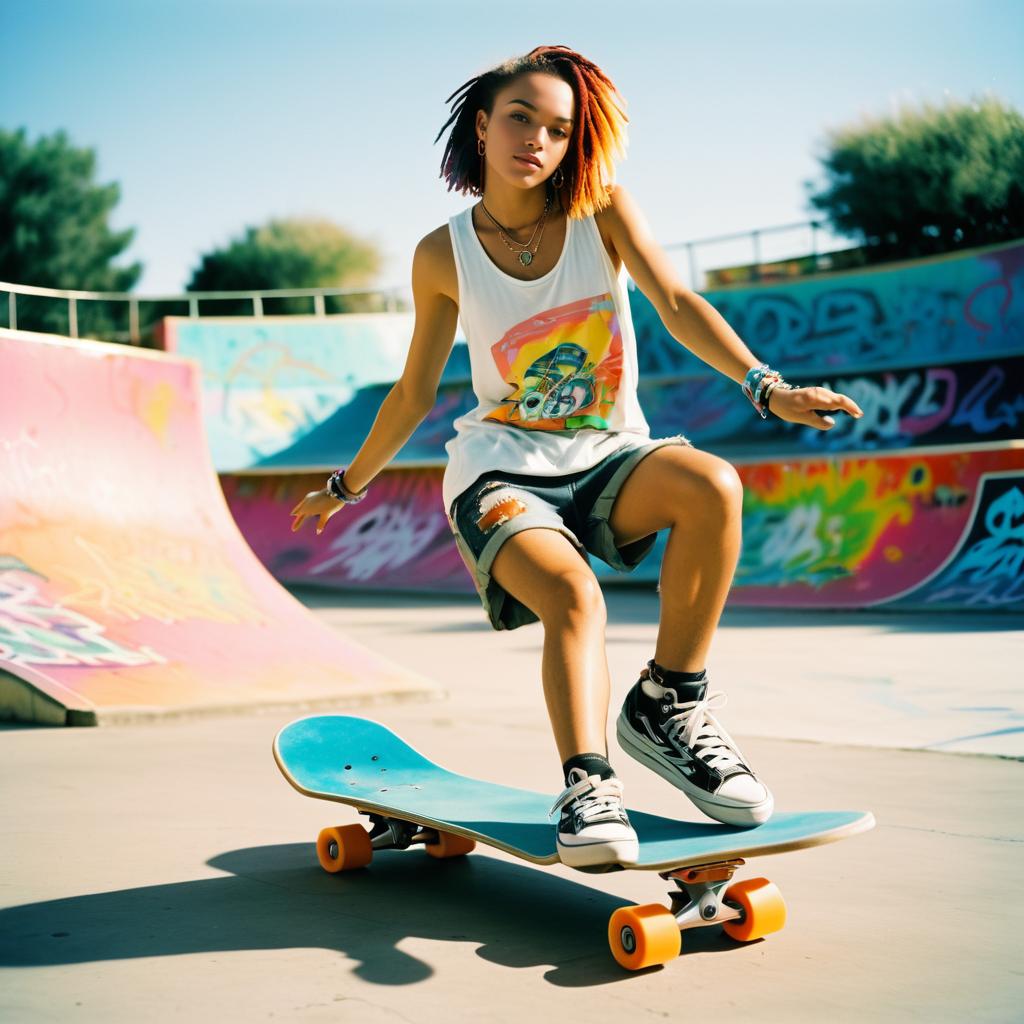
556,461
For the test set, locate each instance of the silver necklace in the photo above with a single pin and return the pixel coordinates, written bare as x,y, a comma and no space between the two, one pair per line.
525,256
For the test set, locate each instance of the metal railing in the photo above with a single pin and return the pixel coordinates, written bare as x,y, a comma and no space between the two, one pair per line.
391,296
755,238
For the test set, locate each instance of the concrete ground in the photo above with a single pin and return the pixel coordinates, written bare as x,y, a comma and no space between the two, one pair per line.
166,871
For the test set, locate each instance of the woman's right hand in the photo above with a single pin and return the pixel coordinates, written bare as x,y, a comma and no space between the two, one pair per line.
317,503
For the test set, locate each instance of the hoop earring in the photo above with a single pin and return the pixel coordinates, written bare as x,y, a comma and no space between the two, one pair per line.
480,147
561,177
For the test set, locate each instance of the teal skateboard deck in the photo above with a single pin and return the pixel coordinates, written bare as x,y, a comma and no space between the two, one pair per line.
410,800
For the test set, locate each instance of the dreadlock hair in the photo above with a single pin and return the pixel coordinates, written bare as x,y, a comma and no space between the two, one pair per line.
597,136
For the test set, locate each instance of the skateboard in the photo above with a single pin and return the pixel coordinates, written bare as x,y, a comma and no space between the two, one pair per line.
411,801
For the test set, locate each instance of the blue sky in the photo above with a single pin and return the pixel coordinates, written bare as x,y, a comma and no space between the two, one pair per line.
218,114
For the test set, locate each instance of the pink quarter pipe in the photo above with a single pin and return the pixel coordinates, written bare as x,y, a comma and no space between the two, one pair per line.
125,587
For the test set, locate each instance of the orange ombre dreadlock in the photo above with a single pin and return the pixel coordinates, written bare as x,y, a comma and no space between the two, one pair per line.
597,137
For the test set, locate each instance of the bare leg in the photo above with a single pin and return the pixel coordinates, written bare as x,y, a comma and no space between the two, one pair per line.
543,570
699,497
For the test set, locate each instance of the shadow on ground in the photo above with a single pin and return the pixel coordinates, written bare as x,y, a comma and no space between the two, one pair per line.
273,897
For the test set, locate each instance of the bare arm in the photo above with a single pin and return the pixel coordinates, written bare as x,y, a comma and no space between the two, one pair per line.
687,316
695,323
413,394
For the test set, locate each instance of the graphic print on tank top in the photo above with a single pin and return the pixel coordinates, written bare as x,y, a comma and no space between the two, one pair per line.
565,365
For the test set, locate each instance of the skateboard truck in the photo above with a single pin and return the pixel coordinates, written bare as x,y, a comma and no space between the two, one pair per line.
643,936
394,834
350,846
698,899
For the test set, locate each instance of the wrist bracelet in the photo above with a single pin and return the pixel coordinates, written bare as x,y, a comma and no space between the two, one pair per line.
772,385
756,384
336,485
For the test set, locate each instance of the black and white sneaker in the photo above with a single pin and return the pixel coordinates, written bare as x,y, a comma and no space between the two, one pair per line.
593,827
684,743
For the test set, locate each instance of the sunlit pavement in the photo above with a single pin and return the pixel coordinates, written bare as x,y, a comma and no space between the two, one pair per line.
165,871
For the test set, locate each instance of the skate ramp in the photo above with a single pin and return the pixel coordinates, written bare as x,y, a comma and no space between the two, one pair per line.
126,589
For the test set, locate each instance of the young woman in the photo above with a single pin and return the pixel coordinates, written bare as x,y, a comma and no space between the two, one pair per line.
556,461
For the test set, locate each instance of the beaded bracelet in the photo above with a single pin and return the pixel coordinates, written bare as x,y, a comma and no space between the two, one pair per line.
336,485
757,385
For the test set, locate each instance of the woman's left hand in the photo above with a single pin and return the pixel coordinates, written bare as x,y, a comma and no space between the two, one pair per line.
319,505
811,406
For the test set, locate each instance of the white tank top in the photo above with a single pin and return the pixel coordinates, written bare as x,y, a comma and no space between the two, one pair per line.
553,362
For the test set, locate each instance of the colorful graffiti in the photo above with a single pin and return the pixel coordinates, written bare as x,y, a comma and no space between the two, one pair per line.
818,532
35,632
856,531
124,584
932,351
397,538
943,404
267,383
945,308
950,403
302,392
961,402
986,569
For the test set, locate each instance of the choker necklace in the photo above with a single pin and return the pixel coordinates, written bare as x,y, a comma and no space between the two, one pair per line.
525,256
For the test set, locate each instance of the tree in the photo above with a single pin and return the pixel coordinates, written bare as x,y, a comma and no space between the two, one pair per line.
290,253
54,233
926,181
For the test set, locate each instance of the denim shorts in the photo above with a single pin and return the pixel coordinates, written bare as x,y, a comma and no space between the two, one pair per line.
577,505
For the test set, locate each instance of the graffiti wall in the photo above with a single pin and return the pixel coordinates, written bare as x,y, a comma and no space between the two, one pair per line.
986,568
125,585
865,530
817,532
337,439
959,306
286,391
932,351
396,538
969,402
951,403
267,383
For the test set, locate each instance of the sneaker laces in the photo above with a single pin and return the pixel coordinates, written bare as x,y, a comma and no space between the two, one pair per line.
698,729
596,798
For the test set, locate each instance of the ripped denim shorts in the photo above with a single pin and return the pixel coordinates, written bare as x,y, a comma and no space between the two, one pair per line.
499,504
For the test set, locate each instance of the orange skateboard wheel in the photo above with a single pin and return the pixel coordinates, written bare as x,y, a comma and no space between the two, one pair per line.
343,848
764,909
449,845
643,936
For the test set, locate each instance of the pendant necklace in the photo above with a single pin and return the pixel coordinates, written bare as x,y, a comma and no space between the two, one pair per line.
524,254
